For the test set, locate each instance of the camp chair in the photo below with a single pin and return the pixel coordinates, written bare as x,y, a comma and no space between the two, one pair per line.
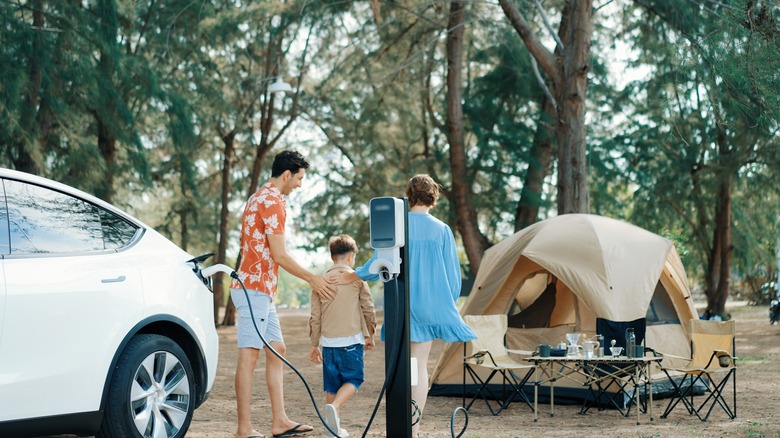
713,363
489,351
612,389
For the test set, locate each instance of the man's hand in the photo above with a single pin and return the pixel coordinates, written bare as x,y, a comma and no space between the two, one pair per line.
318,284
322,287
315,355
369,343
341,276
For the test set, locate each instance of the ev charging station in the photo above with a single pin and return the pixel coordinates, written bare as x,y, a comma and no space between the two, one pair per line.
389,234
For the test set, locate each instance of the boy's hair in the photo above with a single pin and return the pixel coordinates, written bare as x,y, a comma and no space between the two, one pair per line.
341,245
288,160
422,190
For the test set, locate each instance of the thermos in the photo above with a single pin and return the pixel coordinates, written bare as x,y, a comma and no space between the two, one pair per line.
630,343
600,350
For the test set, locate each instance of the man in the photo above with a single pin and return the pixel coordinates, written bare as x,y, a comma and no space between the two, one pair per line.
264,249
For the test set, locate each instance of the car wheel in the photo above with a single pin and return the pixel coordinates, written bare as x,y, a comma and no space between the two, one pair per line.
151,391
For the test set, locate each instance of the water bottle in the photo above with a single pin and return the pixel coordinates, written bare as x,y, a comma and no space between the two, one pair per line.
630,343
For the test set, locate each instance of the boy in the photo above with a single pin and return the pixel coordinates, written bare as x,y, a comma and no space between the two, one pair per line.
338,326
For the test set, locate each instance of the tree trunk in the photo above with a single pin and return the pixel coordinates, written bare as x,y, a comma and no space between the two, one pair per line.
257,166
224,216
527,212
571,95
474,242
107,146
106,107
719,269
23,158
567,76
184,235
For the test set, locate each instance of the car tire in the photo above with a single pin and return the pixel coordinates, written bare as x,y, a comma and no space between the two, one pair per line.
151,393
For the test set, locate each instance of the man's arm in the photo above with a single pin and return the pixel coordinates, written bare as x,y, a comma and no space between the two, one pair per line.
278,247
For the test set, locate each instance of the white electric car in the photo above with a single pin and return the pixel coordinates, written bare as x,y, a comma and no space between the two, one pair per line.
106,327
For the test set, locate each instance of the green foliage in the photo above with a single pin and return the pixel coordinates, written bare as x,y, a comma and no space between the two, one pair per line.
704,118
293,291
172,81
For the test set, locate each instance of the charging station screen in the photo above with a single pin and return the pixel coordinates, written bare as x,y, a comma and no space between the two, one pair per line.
383,223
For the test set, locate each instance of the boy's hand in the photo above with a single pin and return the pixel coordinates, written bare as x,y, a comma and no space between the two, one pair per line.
315,355
369,343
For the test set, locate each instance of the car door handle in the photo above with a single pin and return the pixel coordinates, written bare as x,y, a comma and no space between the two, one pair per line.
119,279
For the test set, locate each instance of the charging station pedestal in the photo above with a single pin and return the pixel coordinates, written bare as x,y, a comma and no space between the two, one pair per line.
398,397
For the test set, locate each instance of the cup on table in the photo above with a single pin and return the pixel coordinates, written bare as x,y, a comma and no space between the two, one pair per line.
544,350
616,351
639,351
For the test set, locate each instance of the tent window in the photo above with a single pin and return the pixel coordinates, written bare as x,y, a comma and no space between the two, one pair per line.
661,310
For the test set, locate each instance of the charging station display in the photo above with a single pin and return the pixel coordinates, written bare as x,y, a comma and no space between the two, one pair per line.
388,234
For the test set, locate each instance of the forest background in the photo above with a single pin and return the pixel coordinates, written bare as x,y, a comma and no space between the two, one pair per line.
662,113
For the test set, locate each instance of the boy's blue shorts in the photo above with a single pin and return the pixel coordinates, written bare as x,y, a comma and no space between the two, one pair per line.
342,365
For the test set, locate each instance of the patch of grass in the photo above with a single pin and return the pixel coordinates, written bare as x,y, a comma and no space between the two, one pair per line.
744,360
655,435
757,429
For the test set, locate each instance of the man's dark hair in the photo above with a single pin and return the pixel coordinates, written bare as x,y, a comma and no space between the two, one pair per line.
288,160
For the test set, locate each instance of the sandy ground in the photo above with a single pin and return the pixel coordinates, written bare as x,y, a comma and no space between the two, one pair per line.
758,396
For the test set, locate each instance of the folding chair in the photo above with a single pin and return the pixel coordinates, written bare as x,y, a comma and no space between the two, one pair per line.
489,351
713,362
612,390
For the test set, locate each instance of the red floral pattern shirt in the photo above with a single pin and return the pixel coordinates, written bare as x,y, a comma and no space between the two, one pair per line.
264,214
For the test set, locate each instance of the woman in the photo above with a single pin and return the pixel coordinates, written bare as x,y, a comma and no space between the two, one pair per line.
434,283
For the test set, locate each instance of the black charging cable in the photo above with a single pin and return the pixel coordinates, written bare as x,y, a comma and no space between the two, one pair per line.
393,369
234,275
393,358
452,421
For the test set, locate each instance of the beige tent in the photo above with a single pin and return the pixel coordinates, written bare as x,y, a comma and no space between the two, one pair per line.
602,267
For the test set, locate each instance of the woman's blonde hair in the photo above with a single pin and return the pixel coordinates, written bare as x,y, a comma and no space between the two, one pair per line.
422,190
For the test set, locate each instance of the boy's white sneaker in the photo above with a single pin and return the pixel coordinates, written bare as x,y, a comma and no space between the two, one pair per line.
332,420
343,433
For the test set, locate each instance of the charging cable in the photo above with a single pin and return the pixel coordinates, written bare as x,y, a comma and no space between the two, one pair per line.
386,276
452,421
211,270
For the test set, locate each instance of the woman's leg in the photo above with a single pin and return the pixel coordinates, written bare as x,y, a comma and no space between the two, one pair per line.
420,351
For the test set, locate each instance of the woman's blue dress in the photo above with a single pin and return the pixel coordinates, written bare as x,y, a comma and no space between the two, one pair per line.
434,282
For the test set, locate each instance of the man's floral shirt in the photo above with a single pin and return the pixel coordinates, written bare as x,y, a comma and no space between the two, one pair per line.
264,214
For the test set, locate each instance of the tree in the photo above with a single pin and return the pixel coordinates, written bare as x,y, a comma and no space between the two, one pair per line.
566,70
474,242
712,117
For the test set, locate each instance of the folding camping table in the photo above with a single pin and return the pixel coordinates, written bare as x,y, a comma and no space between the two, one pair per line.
596,371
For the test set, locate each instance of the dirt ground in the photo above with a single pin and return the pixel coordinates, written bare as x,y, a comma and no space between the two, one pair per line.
758,399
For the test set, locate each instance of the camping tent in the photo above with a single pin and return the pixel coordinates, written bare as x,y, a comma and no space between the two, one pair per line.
600,267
